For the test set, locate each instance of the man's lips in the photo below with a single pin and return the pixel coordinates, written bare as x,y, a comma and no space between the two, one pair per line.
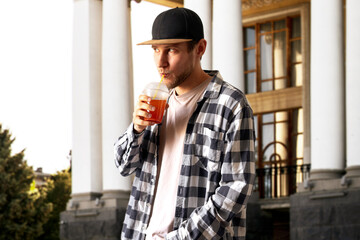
164,74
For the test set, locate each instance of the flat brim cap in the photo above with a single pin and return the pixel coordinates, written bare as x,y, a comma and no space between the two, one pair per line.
175,26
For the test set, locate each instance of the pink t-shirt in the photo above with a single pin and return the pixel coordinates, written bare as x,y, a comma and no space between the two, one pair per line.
172,135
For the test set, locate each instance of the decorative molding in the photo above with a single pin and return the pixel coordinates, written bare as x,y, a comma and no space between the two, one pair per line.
278,100
249,4
168,3
256,7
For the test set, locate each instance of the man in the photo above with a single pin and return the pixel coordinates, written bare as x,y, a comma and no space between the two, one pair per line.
194,172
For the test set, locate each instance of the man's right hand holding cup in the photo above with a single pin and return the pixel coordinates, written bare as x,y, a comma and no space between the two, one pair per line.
142,114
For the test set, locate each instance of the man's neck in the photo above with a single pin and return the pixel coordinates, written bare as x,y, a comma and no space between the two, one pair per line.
193,81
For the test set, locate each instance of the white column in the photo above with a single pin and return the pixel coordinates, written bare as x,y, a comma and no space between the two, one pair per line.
352,86
117,87
86,95
327,89
204,9
228,41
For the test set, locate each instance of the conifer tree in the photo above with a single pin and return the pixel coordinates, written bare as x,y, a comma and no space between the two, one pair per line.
58,192
22,213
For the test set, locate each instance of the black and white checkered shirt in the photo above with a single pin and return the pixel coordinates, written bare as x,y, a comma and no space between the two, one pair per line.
217,172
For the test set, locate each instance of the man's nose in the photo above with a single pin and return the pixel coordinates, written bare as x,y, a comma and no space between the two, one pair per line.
162,60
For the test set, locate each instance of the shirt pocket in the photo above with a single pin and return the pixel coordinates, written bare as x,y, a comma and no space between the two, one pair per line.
209,147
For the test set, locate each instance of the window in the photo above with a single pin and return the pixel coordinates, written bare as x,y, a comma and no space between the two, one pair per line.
273,81
273,58
279,152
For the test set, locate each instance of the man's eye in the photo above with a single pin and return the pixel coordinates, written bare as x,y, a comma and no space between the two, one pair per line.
156,50
171,50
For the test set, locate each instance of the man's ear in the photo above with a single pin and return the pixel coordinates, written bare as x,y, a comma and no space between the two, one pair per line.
201,47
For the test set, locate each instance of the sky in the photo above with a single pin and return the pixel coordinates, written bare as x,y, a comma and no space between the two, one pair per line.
36,74
35,79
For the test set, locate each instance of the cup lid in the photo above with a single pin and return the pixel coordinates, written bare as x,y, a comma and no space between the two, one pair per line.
157,86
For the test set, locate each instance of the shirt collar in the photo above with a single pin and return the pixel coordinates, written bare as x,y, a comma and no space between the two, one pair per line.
214,87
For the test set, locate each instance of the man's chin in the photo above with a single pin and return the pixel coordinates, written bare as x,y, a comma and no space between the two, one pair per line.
169,83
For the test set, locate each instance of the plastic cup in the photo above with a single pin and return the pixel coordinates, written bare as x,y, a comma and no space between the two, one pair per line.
159,93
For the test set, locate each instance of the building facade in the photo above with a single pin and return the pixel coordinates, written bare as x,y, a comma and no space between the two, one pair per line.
298,63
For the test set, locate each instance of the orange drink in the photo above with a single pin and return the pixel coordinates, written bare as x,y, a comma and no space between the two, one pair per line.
157,115
159,93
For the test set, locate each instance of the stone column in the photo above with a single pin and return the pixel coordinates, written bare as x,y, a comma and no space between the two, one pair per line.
204,9
325,192
116,91
101,111
86,95
228,41
352,87
86,167
327,90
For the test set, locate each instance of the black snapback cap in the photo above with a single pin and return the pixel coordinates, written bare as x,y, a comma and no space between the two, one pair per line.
175,26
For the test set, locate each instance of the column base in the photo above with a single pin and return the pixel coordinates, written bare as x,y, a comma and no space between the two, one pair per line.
82,200
323,174
94,216
324,180
353,171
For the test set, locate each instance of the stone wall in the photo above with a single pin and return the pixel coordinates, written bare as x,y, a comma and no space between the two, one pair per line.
331,214
92,224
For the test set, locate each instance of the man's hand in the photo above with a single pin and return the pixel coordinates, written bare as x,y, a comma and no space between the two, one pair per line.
142,110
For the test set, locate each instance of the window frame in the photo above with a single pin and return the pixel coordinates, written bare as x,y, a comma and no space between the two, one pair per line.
293,97
288,98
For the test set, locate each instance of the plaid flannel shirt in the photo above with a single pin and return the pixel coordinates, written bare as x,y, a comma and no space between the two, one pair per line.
217,172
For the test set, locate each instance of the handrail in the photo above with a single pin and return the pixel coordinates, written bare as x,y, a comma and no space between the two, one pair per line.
280,181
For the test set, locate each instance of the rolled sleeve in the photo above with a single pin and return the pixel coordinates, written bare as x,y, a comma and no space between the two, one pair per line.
126,151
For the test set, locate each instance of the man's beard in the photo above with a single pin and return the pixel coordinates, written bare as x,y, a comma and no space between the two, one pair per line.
180,79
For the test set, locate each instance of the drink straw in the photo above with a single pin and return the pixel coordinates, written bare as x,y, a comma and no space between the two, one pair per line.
162,77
